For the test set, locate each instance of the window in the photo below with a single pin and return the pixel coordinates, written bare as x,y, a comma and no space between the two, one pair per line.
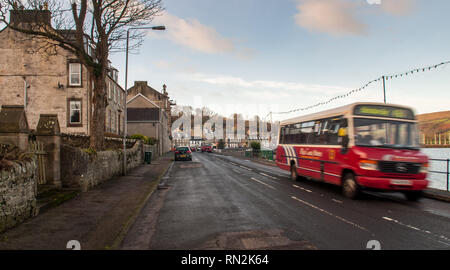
110,120
74,112
119,126
113,124
109,89
385,133
117,122
115,93
74,74
318,132
307,132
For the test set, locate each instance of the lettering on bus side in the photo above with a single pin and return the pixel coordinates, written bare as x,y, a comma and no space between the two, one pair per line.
313,153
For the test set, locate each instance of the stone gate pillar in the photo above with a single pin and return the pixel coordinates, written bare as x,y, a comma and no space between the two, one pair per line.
48,133
14,126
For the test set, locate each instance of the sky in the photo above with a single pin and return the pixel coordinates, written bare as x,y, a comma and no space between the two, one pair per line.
257,56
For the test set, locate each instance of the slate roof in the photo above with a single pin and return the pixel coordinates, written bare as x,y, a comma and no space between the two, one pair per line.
142,114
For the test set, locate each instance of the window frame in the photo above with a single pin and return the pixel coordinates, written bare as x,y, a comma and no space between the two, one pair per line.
69,112
114,93
70,63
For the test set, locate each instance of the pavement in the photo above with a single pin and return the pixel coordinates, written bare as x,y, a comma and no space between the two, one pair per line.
98,219
228,203
240,154
437,194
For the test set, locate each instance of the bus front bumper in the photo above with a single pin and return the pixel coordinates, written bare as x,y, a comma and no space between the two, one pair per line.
392,183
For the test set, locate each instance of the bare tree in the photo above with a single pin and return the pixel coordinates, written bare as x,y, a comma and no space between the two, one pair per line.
91,30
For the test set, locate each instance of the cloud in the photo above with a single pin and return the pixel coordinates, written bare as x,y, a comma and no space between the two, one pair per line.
339,17
162,64
397,7
233,81
336,17
195,35
245,54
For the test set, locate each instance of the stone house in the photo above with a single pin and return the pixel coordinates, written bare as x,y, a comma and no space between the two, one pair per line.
149,114
161,99
52,83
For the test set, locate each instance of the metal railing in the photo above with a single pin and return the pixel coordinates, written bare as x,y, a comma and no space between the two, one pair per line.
447,172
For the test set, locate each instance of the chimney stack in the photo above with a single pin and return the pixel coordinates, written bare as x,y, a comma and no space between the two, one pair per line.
30,17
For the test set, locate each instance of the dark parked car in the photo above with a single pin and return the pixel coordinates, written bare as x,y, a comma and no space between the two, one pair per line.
183,153
207,148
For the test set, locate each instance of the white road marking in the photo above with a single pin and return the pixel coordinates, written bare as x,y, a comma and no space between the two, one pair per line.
266,175
417,229
304,189
338,201
267,185
245,168
330,214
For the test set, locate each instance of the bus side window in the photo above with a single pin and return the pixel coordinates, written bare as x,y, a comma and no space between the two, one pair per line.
296,131
282,130
287,136
336,124
341,123
323,134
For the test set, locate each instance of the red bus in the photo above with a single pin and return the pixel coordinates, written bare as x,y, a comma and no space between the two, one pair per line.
360,146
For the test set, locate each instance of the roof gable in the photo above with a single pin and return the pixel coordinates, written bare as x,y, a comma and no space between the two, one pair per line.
143,97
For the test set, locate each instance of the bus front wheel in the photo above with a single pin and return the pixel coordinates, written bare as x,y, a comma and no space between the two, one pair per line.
350,187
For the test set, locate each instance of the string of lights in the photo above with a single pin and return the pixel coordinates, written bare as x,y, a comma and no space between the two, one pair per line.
386,77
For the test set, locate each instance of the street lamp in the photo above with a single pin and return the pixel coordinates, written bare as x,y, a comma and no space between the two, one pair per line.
160,28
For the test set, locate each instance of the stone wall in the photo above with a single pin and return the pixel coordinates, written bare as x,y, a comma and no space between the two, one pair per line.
82,141
85,170
18,190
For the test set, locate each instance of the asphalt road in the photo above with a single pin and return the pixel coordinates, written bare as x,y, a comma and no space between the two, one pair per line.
222,202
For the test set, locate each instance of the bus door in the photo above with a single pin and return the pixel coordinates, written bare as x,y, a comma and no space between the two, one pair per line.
307,152
333,156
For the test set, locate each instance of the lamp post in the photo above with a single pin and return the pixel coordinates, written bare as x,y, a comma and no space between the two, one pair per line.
126,91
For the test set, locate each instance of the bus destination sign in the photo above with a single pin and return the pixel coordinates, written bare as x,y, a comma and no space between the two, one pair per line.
384,111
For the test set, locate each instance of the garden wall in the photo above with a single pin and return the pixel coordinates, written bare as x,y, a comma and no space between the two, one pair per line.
18,190
84,170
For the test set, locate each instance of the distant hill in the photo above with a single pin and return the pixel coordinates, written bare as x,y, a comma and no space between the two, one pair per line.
434,123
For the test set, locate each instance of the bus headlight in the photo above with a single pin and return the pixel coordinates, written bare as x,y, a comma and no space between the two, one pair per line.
367,164
424,168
